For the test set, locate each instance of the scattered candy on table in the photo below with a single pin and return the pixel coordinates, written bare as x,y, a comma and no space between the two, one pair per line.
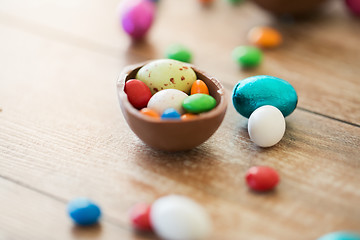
254,92
265,37
262,178
353,6
136,17
266,126
167,74
179,217
168,98
149,112
170,114
247,56
198,103
265,100
138,93
179,52
83,211
140,217
199,87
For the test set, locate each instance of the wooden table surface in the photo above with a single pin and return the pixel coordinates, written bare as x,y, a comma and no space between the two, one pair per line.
62,134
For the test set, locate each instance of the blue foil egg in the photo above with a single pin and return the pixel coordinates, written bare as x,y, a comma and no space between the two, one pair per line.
340,236
83,211
254,92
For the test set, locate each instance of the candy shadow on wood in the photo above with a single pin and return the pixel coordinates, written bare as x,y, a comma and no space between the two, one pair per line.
139,51
272,192
88,232
137,234
198,155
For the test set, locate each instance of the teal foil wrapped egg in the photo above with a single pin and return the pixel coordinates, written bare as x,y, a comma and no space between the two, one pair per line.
341,235
254,92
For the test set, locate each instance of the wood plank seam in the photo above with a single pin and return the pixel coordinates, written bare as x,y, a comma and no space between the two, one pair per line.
329,117
105,218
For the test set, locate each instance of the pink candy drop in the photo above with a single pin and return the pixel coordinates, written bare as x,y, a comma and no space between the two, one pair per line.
136,17
354,6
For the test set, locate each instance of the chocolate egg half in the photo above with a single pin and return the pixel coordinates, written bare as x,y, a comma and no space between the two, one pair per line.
290,7
170,135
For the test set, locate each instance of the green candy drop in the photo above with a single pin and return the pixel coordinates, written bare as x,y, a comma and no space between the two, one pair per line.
198,103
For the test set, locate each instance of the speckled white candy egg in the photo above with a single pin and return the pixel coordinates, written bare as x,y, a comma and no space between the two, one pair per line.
167,74
177,217
266,126
168,98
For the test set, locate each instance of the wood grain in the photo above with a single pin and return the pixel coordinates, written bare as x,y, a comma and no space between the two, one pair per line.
309,44
35,216
62,134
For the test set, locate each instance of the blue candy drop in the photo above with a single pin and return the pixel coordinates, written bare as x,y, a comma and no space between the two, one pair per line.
170,113
83,211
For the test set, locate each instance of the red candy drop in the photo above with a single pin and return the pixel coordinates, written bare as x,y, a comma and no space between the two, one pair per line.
138,93
261,178
140,217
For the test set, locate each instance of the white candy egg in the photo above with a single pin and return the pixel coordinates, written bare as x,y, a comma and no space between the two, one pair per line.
168,98
266,126
176,217
167,74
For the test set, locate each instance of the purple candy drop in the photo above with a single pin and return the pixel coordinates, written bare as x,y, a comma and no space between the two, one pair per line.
137,17
354,6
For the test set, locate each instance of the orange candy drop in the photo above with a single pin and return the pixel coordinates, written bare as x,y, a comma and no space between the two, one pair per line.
188,116
206,1
265,37
199,87
149,112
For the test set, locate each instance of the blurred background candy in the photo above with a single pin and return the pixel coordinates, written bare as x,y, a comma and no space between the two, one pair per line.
205,2
178,217
136,17
354,6
264,37
247,56
140,217
235,1
178,52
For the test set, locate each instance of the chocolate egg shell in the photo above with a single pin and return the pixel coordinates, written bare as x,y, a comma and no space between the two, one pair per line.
289,7
170,135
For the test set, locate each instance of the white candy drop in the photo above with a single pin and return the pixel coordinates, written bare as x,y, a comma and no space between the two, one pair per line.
168,98
266,126
177,217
